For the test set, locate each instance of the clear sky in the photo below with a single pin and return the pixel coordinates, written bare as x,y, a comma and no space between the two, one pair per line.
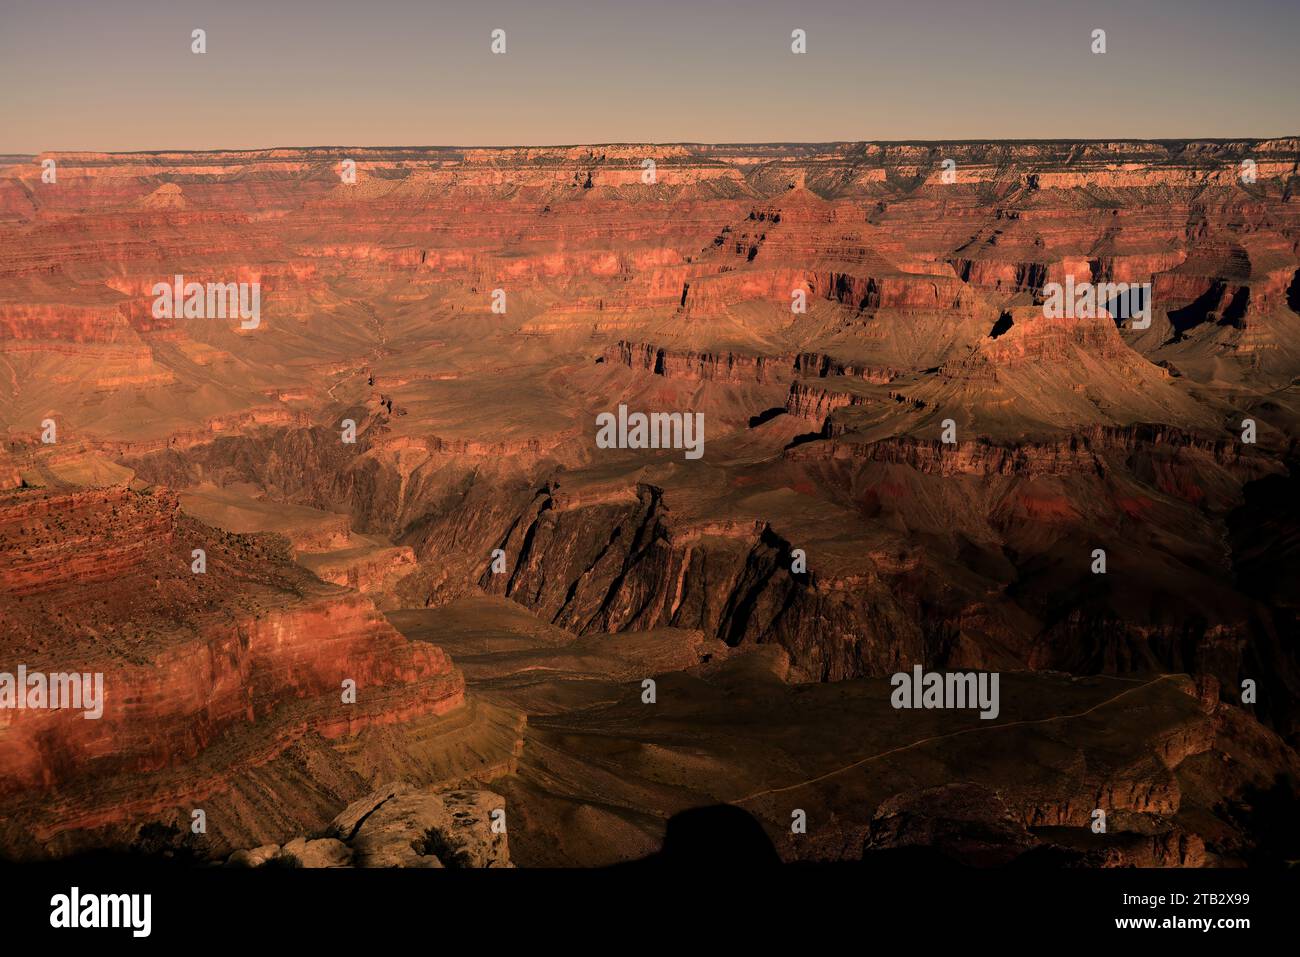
119,74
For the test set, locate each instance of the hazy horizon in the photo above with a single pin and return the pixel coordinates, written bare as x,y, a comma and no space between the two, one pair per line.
915,141
119,76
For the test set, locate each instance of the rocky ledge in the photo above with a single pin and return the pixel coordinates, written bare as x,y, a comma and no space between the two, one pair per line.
399,825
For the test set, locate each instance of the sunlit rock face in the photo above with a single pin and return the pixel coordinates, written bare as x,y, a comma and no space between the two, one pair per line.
233,664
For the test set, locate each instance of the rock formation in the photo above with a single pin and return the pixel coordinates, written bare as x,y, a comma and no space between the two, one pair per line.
400,826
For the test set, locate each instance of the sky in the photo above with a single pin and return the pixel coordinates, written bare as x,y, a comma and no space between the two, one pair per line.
116,75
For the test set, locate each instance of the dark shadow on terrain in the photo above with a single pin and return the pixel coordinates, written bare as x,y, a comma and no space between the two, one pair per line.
767,415
719,836
1235,313
155,846
1264,546
804,438
1197,312
1269,816
728,837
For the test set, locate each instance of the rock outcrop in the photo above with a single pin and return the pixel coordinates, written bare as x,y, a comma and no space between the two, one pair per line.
400,826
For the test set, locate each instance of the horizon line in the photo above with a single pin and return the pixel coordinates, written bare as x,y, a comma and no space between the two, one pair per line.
1162,140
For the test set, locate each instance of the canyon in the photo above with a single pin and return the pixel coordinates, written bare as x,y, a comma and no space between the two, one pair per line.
910,463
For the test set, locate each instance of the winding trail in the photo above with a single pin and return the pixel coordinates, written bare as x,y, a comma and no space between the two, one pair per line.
951,734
